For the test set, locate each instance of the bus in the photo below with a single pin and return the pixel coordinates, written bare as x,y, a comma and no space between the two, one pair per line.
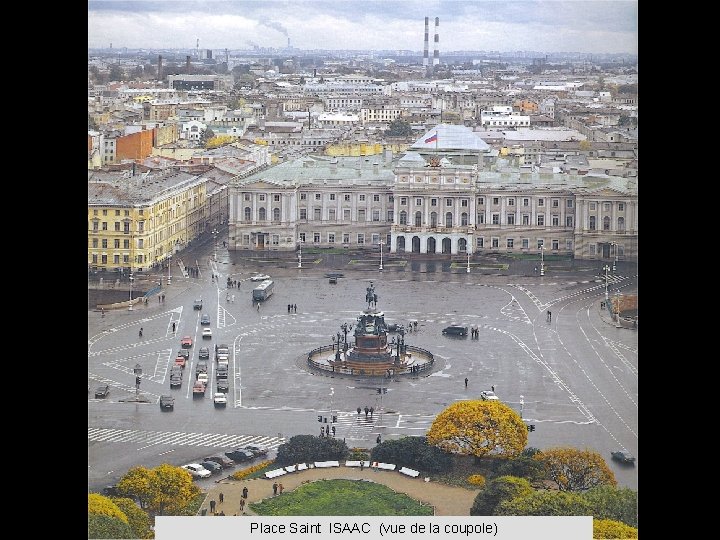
263,291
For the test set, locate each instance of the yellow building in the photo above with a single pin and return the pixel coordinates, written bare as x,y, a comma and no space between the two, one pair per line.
138,221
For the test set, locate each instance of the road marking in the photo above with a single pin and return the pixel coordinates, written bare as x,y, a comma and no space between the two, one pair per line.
154,438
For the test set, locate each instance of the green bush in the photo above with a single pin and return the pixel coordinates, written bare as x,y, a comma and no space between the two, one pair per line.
497,491
104,526
308,448
138,519
412,452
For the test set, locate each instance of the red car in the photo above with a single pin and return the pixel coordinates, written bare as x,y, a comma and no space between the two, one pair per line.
186,342
180,361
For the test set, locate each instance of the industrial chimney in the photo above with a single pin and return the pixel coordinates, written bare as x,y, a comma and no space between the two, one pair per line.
426,60
187,64
159,73
436,54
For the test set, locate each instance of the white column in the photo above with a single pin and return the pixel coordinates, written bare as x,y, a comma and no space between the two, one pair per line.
423,243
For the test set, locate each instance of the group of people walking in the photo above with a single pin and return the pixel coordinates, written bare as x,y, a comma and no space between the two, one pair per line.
292,308
474,332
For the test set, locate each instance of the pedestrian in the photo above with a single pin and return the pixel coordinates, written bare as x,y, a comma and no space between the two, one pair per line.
493,388
159,299
378,440
362,464
466,381
221,497
372,410
275,486
359,410
227,297
367,410
333,430
173,328
245,492
242,505
212,505
146,300
102,310
232,299
140,333
415,325
163,297
289,306
295,308
535,270
258,307
550,315
280,488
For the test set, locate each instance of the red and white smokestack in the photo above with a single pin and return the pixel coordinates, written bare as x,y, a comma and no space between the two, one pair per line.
426,59
436,54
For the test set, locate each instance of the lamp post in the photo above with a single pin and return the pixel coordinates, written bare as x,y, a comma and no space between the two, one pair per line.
169,265
300,254
138,374
381,254
215,233
614,245
522,405
542,259
606,268
617,308
131,284
468,262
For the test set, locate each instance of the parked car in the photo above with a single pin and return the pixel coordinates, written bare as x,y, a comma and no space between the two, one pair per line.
197,304
256,450
185,353
222,372
176,378
181,362
207,333
222,352
167,403
102,391
488,395
239,455
455,330
221,460
186,342
223,385
196,470
220,399
212,467
205,319
204,353
623,457
199,389
203,377
201,367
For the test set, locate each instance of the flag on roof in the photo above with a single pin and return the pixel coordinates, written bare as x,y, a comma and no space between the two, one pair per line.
433,138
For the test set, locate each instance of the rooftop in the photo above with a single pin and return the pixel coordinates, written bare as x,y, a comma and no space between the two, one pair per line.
109,188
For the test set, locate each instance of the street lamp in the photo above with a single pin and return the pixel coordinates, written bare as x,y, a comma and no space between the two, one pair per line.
381,254
169,265
300,253
614,245
606,268
468,262
522,405
138,374
215,233
542,259
131,283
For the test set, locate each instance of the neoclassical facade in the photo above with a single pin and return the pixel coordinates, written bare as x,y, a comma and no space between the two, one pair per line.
449,194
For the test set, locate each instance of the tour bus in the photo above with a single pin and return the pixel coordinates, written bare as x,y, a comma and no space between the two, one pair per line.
264,290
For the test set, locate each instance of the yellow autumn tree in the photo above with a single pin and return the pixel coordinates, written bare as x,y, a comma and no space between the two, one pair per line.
100,505
575,470
479,428
608,528
164,490
219,140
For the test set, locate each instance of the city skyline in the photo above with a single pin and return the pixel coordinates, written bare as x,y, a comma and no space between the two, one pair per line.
604,27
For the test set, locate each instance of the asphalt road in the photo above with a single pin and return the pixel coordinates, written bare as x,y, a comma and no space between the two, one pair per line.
574,378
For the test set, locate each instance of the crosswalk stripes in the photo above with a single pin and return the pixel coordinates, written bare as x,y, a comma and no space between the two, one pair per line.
176,438
355,427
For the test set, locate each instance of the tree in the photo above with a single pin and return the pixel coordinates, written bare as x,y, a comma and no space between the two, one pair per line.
496,491
585,145
399,128
524,467
116,73
102,526
164,490
607,528
304,448
412,452
101,505
479,428
612,503
575,470
206,135
137,518
545,503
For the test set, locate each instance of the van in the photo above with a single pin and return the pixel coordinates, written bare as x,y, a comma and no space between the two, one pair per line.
455,330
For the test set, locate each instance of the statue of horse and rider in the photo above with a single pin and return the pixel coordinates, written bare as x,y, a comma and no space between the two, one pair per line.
371,297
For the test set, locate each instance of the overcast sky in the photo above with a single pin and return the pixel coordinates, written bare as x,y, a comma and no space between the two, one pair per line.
500,25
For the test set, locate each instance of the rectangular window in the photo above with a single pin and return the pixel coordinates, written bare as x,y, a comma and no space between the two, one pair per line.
331,238
94,242
525,243
464,203
376,215
141,226
361,215
117,212
496,219
540,243
555,245
403,201
541,220
262,197
526,202
346,214
511,202
141,243
621,250
303,197
391,198
126,227
592,206
303,213
347,197
510,243
317,214
390,216
433,202
117,226
360,238
95,226
103,259
541,202
481,200
302,237
331,214
621,207
116,259
275,239
116,244
376,198
346,238
95,212
495,243
568,244
94,259
332,196
418,202
606,206
375,239
555,221
556,203
127,212
480,242
481,218
568,221
496,200
317,197
104,243
592,249
316,237
511,219
362,198
569,203
104,212
448,202
276,198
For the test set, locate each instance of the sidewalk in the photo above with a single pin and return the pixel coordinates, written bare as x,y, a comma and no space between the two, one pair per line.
447,500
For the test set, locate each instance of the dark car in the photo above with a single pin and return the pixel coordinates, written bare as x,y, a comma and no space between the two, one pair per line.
214,468
167,403
222,372
205,319
102,391
221,460
223,386
204,353
623,457
197,304
111,491
201,367
176,377
239,455
185,353
333,281
256,450
455,330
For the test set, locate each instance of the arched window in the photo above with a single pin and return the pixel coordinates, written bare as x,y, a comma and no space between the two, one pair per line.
592,223
462,244
433,219
248,213
261,214
276,214
621,224
464,218
403,218
606,223
448,219
418,219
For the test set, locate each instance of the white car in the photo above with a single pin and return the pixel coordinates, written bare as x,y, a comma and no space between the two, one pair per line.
207,333
489,396
203,377
196,470
260,277
220,399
